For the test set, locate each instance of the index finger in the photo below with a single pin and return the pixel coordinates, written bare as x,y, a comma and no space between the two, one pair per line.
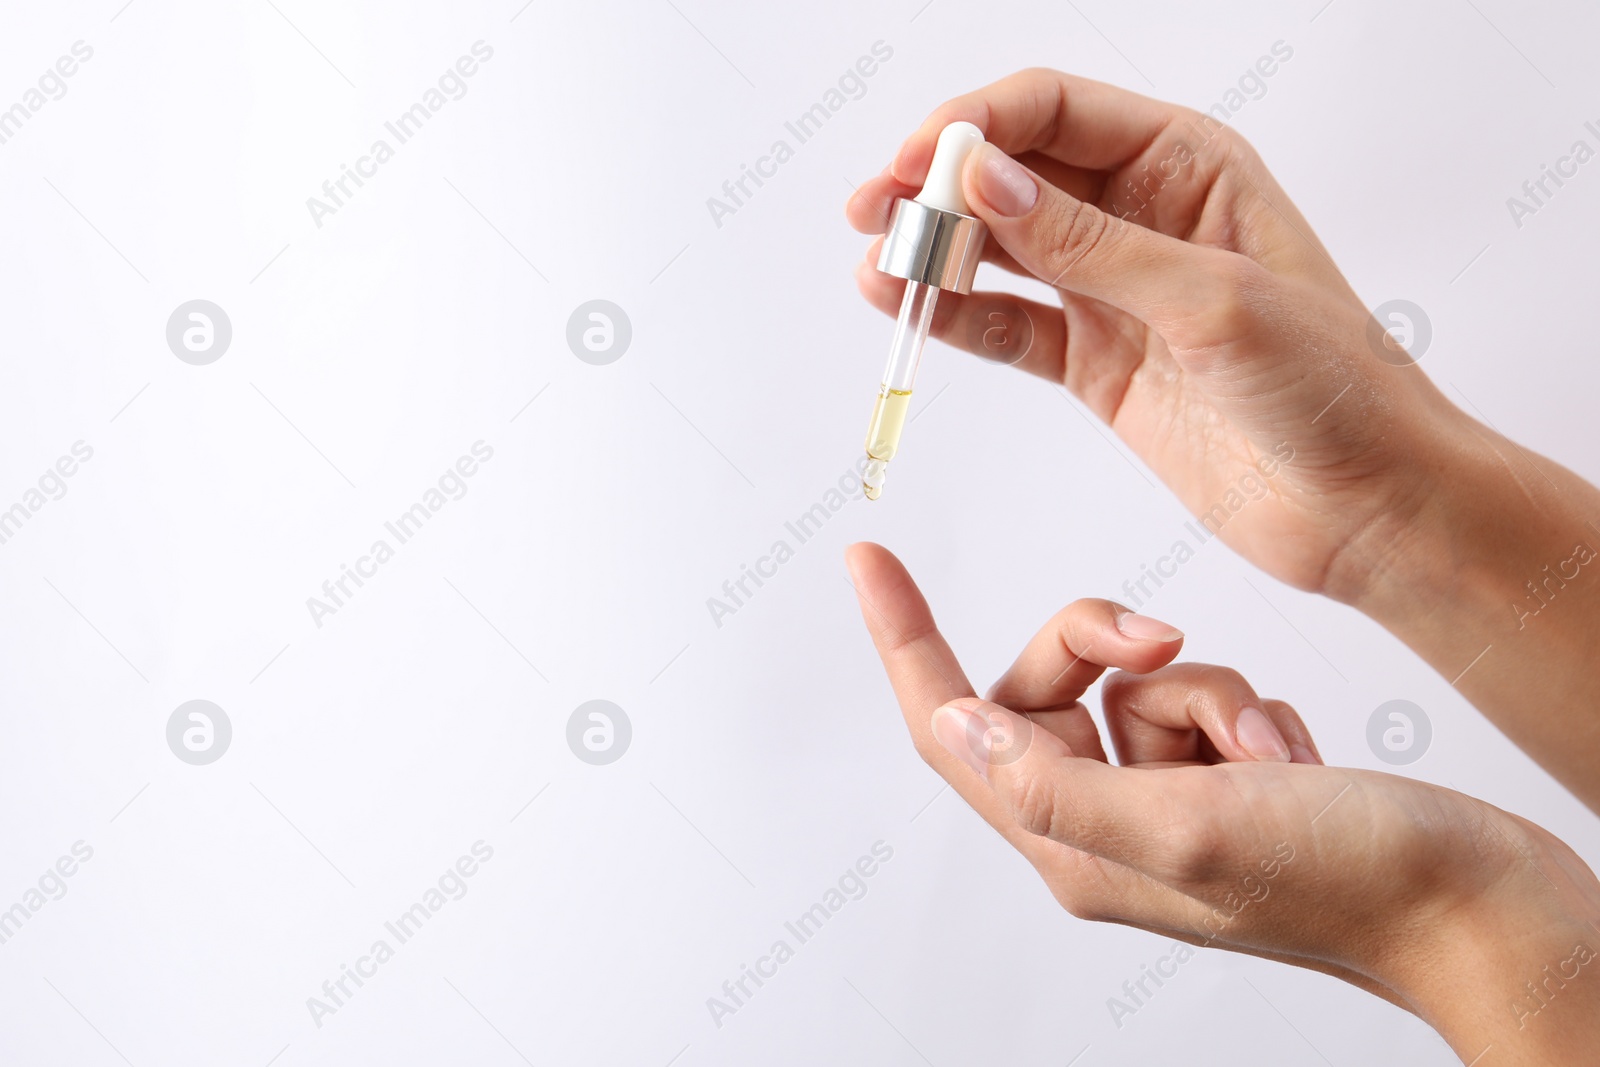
921,667
925,677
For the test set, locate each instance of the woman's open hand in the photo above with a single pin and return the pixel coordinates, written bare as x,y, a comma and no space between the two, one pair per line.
1207,833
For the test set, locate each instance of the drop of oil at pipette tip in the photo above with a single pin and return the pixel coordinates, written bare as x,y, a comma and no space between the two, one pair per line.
872,477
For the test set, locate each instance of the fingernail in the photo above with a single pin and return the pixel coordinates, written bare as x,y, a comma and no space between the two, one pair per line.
1004,183
1299,753
964,734
1257,736
1144,628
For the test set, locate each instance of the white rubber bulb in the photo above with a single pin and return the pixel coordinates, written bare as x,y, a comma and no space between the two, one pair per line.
943,187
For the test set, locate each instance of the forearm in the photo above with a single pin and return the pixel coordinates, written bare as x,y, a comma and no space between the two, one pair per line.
1495,581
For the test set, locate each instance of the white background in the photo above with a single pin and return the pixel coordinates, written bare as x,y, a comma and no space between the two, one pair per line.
767,754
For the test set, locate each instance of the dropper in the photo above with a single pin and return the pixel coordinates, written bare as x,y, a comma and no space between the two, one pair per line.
934,243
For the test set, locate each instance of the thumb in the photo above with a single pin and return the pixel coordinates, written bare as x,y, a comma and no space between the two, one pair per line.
1191,294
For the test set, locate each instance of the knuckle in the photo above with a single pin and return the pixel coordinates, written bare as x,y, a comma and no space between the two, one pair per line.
1201,706
1192,849
896,640
1214,678
944,114
1215,136
1034,803
1237,299
1191,854
1118,687
1278,707
1092,607
1125,696
929,749
1078,231
1190,840
1084,620
1238,150
1232,143
1036,83
1210,688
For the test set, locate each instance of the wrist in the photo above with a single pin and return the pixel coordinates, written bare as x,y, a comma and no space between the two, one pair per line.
1489,567
1482,523
1516,970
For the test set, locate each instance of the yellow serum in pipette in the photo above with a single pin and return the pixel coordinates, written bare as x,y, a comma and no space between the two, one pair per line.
883,433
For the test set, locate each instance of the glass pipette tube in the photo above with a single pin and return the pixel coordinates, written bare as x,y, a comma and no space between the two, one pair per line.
894,394
933,242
